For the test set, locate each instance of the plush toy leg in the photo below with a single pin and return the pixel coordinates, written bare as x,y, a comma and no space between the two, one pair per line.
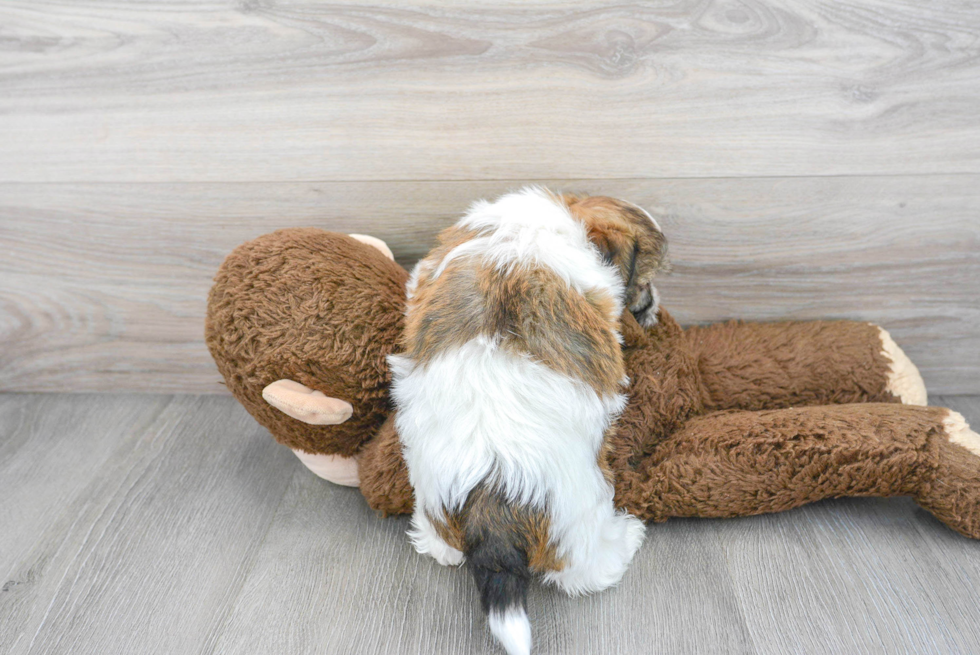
953,493
774,365
740,463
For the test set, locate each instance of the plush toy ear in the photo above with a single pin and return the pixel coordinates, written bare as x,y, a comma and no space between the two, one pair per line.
376,242
305,404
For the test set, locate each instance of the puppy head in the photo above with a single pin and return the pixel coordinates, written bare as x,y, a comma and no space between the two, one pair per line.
629,239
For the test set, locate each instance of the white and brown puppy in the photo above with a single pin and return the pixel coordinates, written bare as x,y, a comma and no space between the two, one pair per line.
509,381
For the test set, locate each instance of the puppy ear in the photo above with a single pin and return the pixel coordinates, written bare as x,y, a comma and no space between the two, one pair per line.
608,229
629,239
617,247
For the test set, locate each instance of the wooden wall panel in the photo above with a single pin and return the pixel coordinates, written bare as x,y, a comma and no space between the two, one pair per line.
103,91
103,286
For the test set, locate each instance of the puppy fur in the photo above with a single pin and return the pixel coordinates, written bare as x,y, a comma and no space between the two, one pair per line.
509,381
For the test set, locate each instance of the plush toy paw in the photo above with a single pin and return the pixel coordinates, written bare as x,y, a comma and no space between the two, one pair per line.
953,493
958,431
333,468
904,380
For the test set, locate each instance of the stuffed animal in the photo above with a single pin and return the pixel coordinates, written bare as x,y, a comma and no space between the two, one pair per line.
731,419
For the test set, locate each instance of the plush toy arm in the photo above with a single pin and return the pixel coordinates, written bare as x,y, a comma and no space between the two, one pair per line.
379,469
774,365
384,474
742,463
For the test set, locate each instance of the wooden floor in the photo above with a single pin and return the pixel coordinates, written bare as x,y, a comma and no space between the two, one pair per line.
174,524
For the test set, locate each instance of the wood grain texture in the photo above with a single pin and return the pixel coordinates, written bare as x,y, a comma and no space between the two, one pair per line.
134,519
290,91
148,524
103,286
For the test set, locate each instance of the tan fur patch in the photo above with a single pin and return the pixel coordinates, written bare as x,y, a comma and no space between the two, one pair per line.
485,511
450,529
904,379
529,310
537,314
958,431
602,458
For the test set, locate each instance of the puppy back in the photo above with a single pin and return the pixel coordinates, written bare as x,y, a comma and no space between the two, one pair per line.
526,309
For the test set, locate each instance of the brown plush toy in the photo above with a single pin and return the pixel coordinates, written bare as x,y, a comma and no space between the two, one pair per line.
726,420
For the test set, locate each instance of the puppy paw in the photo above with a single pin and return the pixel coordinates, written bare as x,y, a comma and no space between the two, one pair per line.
427,541
449,556
606,559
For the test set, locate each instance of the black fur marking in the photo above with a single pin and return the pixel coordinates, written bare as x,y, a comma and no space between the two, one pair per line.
495,553
500,572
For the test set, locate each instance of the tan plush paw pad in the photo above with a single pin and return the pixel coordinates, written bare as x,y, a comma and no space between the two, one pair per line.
904,379
958,431
376,242
305,404
334,468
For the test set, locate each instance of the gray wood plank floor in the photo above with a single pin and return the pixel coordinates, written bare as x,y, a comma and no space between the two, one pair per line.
174,524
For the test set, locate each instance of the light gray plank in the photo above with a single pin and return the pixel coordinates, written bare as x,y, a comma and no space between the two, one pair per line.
844,576
149,554
103,286
53,449
183,528
856,575
339,579
250,91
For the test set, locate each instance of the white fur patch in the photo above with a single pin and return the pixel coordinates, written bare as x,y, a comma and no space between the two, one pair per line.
427,541
530,228
512,630
904,379
478,411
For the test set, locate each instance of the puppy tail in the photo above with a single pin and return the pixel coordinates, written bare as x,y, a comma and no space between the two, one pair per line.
502,576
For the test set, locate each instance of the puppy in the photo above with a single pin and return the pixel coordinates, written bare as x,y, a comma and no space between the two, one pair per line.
509,381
